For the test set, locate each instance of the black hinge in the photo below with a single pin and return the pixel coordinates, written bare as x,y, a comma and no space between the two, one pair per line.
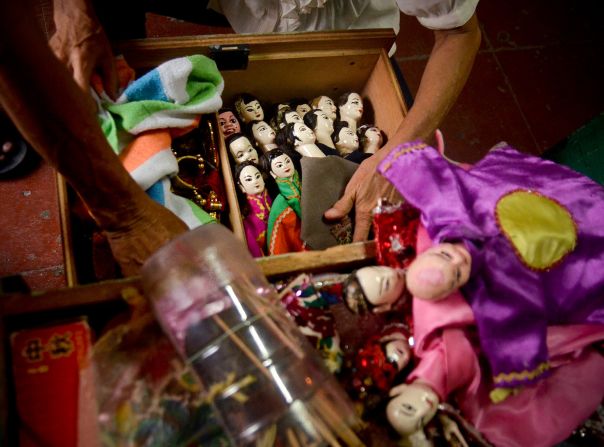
230,57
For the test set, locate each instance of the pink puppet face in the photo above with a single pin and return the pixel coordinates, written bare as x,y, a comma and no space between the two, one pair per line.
439,271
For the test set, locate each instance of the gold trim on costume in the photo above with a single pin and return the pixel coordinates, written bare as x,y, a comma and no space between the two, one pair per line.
401,150
522,375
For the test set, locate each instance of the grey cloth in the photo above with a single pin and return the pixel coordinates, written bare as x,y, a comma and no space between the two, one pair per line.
323,182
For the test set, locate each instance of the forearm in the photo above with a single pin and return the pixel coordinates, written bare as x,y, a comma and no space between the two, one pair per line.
443,79
59,120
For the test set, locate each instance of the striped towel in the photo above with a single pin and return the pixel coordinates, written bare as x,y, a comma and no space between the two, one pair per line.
140,124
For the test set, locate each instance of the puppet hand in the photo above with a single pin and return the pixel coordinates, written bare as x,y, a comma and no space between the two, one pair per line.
362,192
81,43
134,241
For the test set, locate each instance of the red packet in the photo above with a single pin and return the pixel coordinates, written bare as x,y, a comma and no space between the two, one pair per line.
53,386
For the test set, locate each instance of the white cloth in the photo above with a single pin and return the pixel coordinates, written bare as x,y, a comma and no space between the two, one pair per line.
439,14
266,16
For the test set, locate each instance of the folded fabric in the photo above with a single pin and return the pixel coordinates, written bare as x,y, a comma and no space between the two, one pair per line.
165,102
324,181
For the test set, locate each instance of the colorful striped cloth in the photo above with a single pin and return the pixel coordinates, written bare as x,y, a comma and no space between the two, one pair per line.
164,103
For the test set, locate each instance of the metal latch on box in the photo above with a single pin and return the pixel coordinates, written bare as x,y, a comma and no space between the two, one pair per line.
230,57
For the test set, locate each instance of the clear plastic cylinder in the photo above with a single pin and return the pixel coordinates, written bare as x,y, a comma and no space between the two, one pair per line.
266,382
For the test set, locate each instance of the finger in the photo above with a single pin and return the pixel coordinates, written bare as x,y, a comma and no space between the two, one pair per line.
341,208
81,73
362,225
109,75
440,141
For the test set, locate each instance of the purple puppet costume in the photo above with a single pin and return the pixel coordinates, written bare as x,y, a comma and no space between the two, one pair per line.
256,222
535,231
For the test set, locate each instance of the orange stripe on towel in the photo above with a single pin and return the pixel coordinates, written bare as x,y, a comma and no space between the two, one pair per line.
145,146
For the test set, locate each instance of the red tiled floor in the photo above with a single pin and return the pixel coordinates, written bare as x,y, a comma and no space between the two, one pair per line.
518,23
30,233
162,26
556,101
536,79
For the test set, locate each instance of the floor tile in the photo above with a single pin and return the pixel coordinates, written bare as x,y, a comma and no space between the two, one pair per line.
46,279
413,39
484,114
518,23
163,26
559,88
30,233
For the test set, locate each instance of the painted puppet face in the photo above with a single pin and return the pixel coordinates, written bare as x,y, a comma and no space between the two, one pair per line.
282,167
242,150
303,109
251,181
292,117
373,135
324,124
228,123
398,352
252,111
328,106
353,107
439,271
348,141
410,410
263,133
381,285
303,134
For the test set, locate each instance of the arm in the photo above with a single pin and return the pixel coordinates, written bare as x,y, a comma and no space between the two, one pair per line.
81,44
445,74
59,121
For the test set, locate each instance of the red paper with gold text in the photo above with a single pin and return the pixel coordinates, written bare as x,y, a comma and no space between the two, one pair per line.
47,365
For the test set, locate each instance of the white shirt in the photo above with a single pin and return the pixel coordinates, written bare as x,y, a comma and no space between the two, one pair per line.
265,16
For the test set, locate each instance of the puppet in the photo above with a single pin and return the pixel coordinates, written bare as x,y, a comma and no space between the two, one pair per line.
350,106
284,219
318,121
302,139
251,182
264,135
228,122
371,138
517,234
248,108
326,104
241,148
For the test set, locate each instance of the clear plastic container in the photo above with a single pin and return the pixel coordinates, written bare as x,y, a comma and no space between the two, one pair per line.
268,385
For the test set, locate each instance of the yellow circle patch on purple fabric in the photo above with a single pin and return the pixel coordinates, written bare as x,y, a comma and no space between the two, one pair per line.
541,230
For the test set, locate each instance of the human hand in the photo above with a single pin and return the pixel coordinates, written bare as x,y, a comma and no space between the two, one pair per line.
362,192
135,240
81,44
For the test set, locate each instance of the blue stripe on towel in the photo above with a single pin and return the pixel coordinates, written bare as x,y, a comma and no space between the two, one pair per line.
148,87
156,192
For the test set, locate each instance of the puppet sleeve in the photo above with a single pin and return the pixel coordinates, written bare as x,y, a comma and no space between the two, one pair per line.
433,185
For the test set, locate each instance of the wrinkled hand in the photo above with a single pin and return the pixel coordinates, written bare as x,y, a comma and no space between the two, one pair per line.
81,43
362,192
136,240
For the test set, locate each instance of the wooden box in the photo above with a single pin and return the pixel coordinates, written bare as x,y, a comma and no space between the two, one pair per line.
285,66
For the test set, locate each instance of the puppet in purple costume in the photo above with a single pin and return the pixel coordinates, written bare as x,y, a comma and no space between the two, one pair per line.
535,235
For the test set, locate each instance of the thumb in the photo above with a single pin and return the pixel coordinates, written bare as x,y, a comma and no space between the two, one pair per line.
341,208
109,74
